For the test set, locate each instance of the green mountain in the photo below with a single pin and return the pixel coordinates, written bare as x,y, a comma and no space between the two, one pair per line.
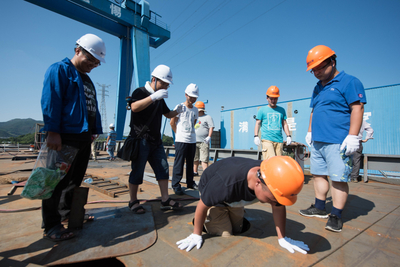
17,127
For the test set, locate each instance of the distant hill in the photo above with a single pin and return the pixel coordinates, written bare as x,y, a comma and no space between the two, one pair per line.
17,127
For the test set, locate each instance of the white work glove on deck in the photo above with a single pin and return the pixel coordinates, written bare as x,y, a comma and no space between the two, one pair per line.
159,94
257,141
308,139
288,140
179,108
352,143
207,140
292,245
190,242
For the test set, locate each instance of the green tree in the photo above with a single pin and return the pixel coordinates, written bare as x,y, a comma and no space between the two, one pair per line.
22,139
167,140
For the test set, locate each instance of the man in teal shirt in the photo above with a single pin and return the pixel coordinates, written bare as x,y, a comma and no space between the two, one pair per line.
271,119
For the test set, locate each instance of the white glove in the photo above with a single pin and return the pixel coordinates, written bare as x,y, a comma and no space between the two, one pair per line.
352,143
190,242
292,245
257,141
308,139
288,140
207,140
159,94
179,108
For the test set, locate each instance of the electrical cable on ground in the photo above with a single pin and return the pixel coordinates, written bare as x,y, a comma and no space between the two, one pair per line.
100,201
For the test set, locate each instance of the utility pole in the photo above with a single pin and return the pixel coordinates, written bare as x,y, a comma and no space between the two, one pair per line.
103,112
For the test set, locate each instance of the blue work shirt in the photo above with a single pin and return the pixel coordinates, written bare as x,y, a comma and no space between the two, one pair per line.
64,101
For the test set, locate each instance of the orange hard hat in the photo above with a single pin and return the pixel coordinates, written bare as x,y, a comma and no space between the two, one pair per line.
273,91
317,55
284,178
200,104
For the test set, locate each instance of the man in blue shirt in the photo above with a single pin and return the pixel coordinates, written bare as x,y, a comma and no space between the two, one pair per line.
337,111
111,141
71,117
271,119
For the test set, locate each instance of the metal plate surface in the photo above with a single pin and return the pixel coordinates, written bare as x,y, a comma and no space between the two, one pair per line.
114,232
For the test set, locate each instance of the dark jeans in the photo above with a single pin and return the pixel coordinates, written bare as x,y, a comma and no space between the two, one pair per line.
357,162
50,207
183,151
157,159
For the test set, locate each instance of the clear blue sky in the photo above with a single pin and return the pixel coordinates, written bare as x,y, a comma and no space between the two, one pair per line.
233,50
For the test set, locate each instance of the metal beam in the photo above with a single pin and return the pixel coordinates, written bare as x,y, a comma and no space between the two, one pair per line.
133,24
80,12
124,83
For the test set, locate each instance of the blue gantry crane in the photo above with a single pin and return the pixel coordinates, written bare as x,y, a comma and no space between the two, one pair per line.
136,26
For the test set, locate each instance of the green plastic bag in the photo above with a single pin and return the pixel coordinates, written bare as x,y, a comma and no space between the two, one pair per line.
50,168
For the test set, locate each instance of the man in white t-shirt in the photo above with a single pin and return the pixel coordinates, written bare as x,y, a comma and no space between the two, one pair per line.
185,140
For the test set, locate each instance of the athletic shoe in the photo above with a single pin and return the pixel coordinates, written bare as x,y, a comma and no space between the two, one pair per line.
194,186
334,223
195,174
312,211
178,191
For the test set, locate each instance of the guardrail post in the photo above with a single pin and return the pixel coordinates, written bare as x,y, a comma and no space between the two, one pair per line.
365,175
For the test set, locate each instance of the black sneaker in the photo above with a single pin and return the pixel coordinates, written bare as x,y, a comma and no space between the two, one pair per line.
195,174
334,223
312,211
178,191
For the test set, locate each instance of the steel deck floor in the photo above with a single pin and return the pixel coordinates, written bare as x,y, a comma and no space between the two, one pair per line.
370,236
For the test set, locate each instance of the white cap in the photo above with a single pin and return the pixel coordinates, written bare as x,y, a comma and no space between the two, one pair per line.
192,90
112,125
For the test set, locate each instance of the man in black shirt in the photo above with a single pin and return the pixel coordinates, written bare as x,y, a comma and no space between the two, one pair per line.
230,184
144,101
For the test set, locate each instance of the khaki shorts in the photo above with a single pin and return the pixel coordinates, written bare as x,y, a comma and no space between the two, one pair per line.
224,221
202,152
271,149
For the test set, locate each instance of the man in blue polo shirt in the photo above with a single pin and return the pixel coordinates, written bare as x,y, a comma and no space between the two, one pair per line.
337,111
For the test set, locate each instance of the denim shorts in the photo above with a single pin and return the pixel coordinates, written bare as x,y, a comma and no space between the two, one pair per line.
327,159
157,159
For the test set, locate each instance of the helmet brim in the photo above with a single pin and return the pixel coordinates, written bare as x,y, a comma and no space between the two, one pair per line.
285,201
166,81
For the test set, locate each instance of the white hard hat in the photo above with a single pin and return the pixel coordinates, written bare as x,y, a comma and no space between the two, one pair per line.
112,125
163,73
94,45
192,90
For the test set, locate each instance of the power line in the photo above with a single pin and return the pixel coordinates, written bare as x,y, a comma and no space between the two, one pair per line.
230,33
215,10
191,15
208,32
166,48
181,12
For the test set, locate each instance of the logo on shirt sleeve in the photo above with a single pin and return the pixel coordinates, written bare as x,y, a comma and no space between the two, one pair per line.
360,95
